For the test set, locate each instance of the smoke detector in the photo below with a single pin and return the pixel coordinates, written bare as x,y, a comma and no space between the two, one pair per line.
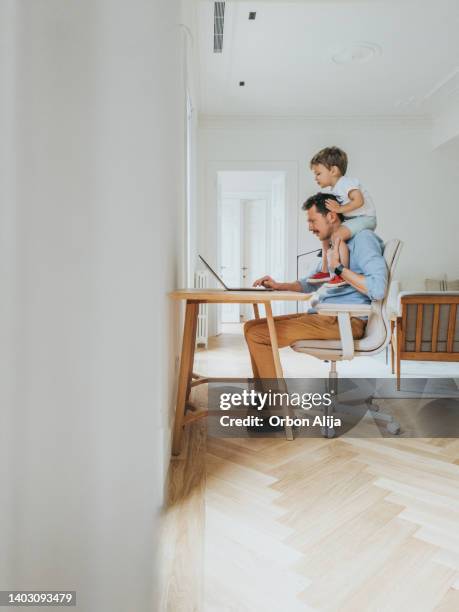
358,53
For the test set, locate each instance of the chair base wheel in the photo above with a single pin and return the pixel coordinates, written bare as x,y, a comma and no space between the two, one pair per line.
393,428
328,432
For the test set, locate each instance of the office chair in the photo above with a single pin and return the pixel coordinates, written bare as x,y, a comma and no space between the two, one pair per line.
376,337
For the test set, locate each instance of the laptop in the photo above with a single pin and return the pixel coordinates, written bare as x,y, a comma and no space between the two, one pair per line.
212,271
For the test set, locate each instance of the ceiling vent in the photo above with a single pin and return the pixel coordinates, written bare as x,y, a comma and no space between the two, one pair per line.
219,26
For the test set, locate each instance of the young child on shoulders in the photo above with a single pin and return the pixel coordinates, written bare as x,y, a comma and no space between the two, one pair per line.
329,167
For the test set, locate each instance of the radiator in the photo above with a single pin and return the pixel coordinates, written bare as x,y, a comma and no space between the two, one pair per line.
201,281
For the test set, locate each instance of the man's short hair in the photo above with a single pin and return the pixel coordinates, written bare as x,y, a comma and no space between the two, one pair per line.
331,156
319,201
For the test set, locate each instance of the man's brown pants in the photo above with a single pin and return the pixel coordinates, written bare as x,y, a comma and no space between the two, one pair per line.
290,329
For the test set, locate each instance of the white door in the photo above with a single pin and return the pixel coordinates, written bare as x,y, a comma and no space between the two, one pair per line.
243,249
254,244
277,235
251,235
230,253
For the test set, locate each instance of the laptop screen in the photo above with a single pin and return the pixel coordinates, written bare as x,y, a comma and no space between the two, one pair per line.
213,272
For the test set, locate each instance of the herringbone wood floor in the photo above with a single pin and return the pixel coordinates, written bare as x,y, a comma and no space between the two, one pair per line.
314,524
348,525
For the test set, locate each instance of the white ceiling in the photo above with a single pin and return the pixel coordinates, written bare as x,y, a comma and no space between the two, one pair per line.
284,57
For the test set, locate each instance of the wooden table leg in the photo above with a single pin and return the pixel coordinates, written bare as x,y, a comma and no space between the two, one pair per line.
273,339
398,351
193,347
277,361
392,340
186,370
256,311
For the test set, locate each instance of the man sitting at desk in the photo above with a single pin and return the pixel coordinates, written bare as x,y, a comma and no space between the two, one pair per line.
366,278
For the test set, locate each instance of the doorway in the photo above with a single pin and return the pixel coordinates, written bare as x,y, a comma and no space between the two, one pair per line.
251,235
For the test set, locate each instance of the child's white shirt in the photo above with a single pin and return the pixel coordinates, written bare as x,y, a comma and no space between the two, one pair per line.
341,190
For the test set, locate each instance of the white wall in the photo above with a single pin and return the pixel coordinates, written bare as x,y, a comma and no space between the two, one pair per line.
415,188
446,127
7,276
92,123
191,80
247,182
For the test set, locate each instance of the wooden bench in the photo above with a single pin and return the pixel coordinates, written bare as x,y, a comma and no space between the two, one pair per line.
426,328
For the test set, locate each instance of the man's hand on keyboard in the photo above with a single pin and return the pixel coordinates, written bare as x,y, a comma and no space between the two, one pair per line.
266,281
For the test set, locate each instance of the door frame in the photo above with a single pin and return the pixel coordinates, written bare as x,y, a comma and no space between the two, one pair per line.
242,197
291,170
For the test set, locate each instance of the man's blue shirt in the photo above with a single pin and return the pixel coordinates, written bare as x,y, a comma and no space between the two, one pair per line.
365,257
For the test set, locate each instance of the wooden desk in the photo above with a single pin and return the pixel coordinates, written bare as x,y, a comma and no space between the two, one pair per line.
187,379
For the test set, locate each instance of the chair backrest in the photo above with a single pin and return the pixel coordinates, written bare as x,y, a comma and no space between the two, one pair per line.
430,325
377,333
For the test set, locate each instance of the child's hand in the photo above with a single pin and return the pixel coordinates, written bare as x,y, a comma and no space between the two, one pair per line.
332,206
